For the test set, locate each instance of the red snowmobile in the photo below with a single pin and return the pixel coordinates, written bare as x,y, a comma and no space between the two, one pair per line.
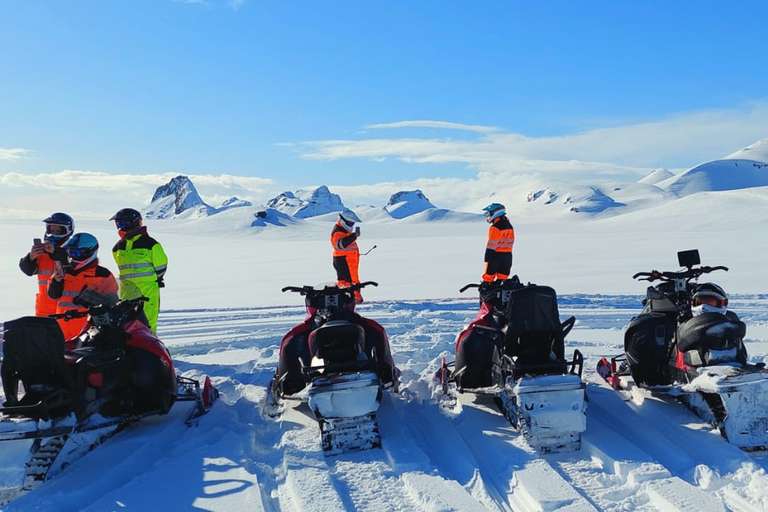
339,362
700,359
114,373
515,349
117,367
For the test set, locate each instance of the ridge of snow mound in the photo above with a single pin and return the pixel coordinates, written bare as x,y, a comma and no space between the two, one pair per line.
757,152
578,198
177,199
719,175
234,202
307,203
406,203
657,176
271,216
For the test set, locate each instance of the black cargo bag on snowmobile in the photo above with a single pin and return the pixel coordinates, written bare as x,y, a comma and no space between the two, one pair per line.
534,336
647,347
712,338
33,353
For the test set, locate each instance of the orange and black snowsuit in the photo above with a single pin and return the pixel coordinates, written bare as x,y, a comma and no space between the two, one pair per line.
346,256
43,267
498,251
94,276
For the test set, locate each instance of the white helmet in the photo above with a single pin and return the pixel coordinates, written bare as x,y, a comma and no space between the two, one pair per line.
709,298
347,219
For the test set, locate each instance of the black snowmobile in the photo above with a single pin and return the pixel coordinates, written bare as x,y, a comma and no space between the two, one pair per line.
515,348
339,362
117,373
699,359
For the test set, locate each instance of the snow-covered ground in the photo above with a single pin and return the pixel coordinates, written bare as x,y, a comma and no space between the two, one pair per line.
223,315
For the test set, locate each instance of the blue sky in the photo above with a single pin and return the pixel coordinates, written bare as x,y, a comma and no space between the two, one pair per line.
364,92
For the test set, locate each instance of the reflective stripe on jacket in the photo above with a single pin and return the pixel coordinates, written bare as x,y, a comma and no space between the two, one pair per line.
343,242
501,237
141,260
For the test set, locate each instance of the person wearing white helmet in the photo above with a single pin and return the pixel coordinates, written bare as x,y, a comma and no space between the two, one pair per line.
501,239
44,256
709,298
346,254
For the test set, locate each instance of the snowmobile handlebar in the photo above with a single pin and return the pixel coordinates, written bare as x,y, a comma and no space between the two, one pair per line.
97,309
692,273
468,286
328,290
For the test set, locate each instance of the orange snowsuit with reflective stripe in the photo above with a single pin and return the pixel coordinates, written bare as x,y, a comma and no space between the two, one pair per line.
498,250
96,277
42,267
346,256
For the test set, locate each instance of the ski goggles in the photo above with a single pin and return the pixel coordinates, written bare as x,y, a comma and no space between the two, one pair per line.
56,229
78,254
124,225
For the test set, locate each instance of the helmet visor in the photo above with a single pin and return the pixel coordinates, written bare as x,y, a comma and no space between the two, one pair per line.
124,225
709,300
56,229
78,254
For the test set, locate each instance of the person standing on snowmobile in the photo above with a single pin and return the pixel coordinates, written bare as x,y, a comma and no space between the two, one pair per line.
501,238
140,259
83,271
44,256
346,255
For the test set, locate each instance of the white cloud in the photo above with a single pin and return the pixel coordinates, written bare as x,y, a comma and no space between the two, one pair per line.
445,125
677,141
13,153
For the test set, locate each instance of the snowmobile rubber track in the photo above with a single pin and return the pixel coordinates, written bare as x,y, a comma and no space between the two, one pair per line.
340,435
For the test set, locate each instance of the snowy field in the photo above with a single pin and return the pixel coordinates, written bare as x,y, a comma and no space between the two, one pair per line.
223,315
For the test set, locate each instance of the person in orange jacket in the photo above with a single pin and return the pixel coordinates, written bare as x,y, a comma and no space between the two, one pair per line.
346,254
501,238
83,270
43,257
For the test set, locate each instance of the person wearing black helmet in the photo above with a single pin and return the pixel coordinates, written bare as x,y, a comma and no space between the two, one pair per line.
44,256
501,239
140,259
83,271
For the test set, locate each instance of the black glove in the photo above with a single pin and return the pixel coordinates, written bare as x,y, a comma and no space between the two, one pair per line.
160,283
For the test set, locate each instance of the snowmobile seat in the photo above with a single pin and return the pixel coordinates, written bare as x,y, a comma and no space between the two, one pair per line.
712,338
534,335
33,353
337,341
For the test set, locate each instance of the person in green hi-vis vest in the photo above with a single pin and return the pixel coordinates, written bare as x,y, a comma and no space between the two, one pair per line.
140,260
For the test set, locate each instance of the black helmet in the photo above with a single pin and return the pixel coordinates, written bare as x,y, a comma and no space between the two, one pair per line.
127,219
81,249
58,227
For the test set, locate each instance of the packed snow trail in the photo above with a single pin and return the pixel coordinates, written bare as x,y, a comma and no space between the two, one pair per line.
651,457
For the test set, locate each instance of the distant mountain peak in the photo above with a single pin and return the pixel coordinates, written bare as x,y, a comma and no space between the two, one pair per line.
406,203
657,176
307,203
175,198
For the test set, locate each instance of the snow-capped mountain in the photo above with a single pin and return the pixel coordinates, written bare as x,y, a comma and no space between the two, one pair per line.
234,202
406,203
307,203
746,168
178,198
657,176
